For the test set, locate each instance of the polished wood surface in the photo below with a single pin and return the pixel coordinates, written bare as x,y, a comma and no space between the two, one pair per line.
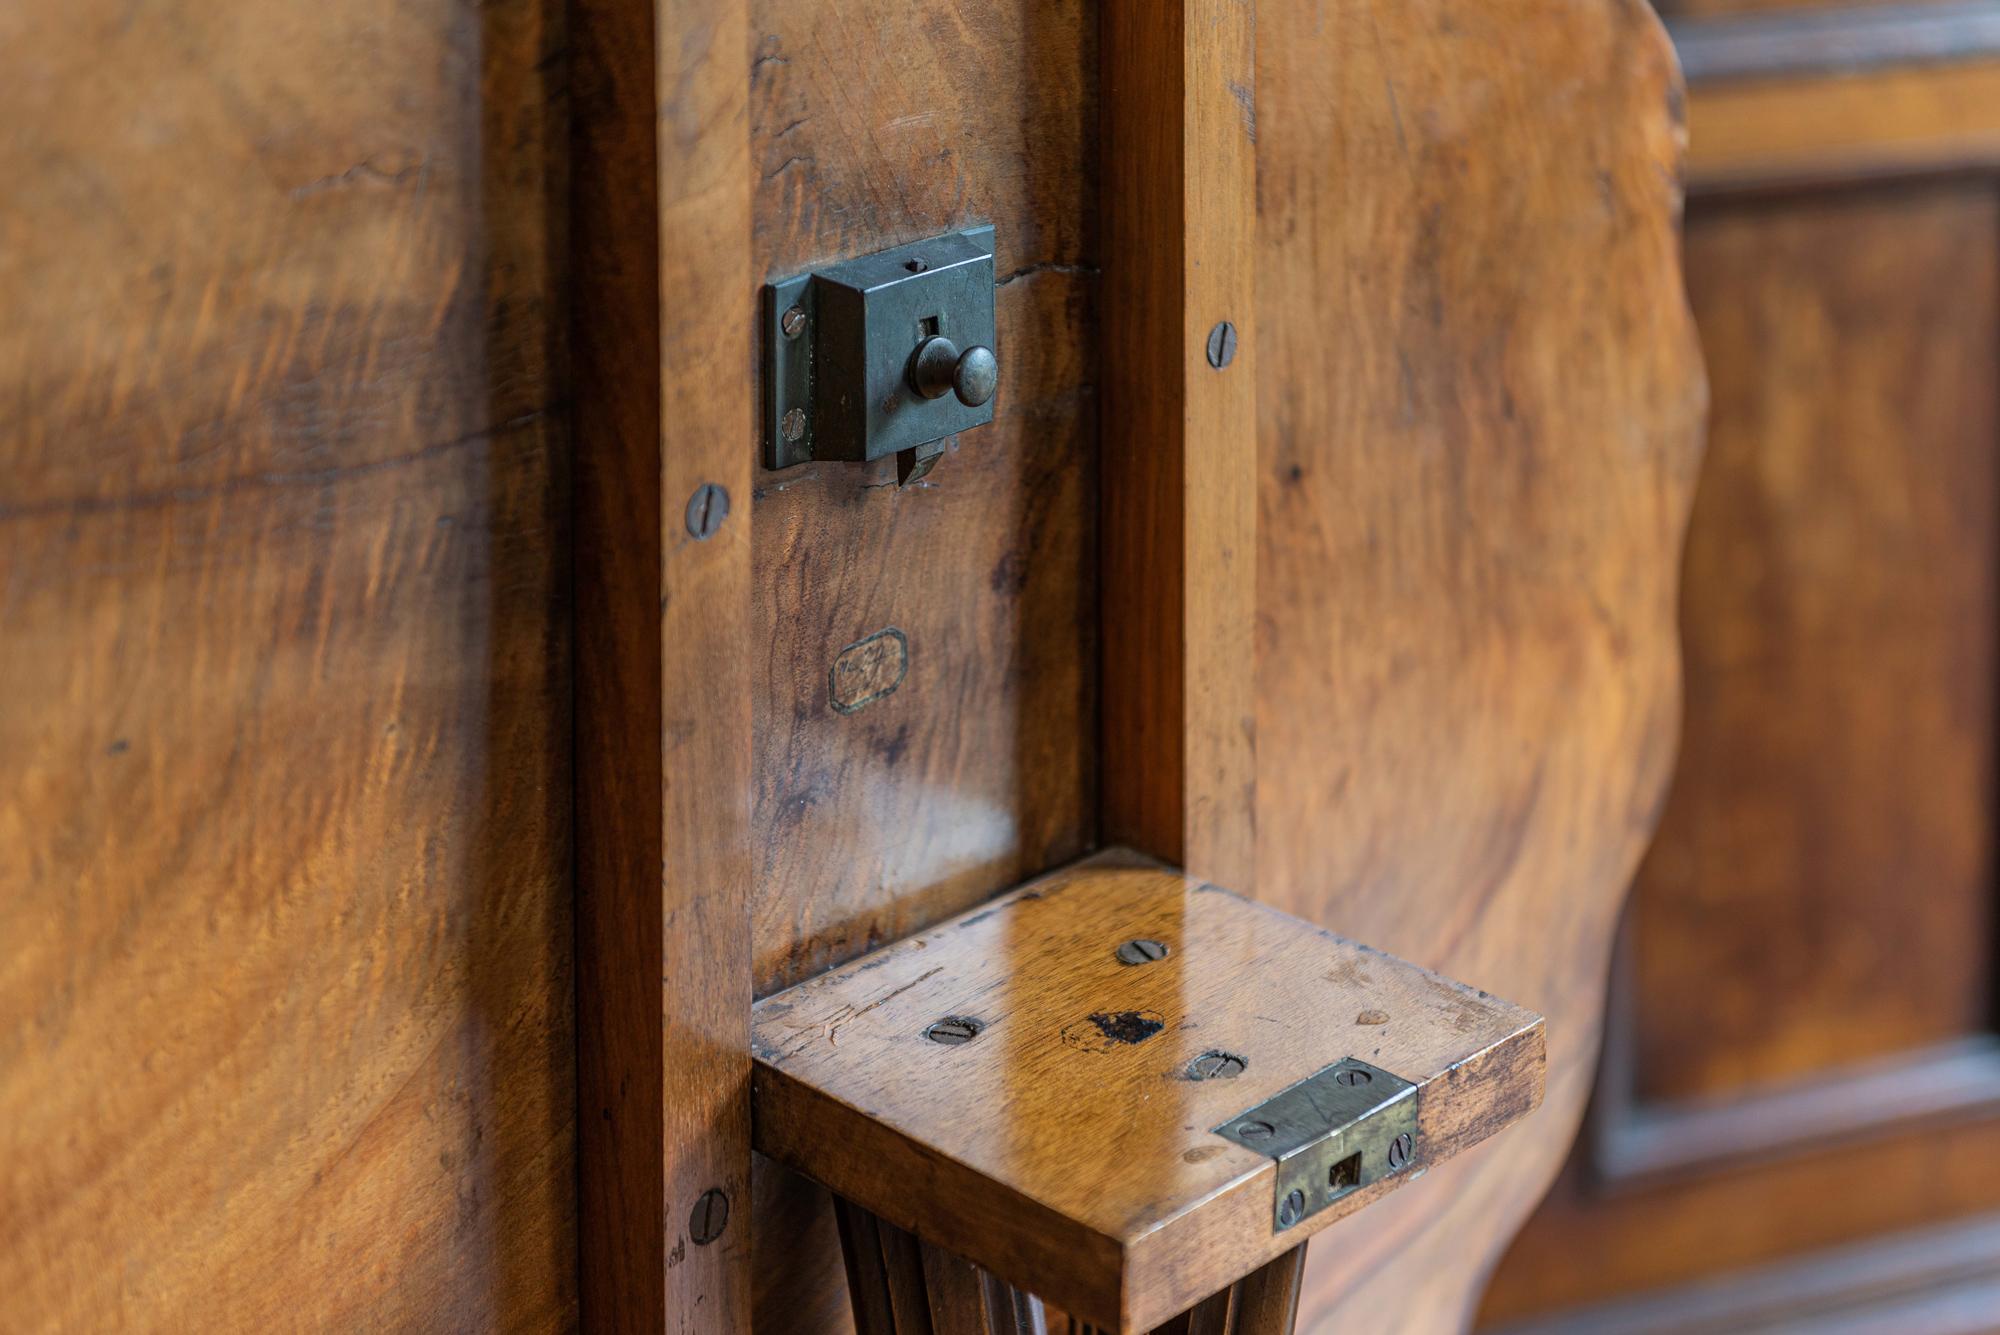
1801,1082
1065,1146
664,314
1480,404
286,1038
1178,438
980,769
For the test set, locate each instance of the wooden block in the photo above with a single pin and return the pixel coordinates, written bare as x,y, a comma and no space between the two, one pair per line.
1067,1147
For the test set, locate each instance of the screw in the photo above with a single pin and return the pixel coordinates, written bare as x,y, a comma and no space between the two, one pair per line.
1400,1149
1294,1205
1353,1075
794,322
1216,1066
1142,951
1254,1130
953,1030
793,425
1222,345
709,1217
706,510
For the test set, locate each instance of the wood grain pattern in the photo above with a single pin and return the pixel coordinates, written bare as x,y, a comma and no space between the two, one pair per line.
1076,1159
876,124
665,310
1840,624
285,1029
1480,404
1178,434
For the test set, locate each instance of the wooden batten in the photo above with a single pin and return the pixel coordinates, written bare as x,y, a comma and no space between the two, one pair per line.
1179,444
663,737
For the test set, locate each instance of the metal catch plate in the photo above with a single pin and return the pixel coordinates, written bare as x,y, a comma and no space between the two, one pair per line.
838,343
1332,1133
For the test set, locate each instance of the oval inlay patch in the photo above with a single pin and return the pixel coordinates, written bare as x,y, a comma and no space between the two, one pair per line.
867,670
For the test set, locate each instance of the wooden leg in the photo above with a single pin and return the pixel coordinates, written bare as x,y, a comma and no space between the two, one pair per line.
1264,1302
901,1286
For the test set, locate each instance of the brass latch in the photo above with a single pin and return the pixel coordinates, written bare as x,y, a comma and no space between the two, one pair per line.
1332,1133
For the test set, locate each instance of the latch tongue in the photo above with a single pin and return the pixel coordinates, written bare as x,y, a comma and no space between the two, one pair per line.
1332,1133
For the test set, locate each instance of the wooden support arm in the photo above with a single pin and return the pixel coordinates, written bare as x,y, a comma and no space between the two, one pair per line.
1126,1091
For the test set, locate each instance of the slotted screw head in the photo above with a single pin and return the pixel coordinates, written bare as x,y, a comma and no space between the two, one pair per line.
1400,1150
792,426
1216,1066
793,322
706,509
1254,1130
1291,1208
953,1030
1222,345
1142,950
1354,1075
709,1217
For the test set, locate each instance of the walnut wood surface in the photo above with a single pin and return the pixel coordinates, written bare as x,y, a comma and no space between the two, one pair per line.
1178,435
1825,864
665,310
875,124
1076,1159
285,1020
1480,404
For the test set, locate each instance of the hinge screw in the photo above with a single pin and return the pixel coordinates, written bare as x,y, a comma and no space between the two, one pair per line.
1353,1075
1291,1208
794,322
953,1030
1254,1130
1142,951
1399,1150
1216,1066
793,426
709,1217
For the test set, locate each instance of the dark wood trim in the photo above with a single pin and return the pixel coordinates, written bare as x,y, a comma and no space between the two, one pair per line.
1645,1142
1179,435
1935,1280
663,404
1796,43
1633,1143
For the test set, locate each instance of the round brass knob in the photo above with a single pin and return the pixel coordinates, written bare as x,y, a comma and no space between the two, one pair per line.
939,366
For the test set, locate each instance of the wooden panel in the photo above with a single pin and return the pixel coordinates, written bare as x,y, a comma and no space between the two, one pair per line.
1064,1146
1479,401
665,309
1825,864
287,1038
1825,859
1179,443
874,125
